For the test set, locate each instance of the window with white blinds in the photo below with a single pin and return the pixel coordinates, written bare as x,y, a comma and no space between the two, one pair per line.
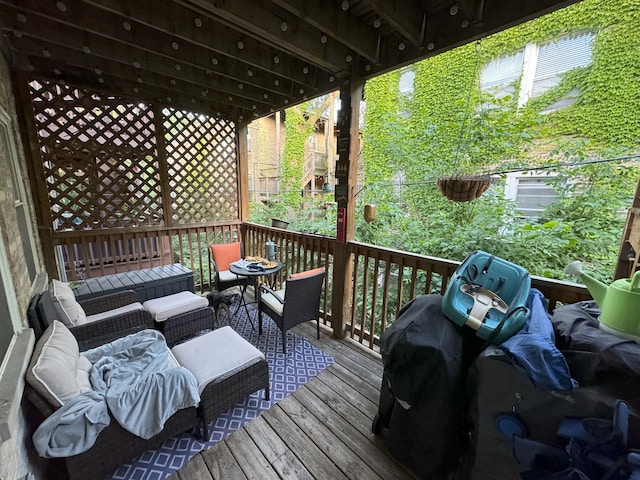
558,57
406,82
531,191
498,77
539,67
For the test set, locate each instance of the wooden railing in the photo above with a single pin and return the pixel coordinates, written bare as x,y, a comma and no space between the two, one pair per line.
298,252
96,253
383,279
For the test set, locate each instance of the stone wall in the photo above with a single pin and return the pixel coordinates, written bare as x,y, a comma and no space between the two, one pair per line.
16,451
8,221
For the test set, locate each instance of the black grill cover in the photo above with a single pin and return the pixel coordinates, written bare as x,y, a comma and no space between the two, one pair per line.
422,397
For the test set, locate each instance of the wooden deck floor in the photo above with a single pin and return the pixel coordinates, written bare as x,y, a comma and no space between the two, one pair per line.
321,431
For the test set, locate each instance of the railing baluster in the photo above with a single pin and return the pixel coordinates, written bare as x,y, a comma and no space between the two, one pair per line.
108,252
354,290
374,299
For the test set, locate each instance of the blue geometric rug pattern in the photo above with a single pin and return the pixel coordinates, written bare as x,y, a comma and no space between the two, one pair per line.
287,373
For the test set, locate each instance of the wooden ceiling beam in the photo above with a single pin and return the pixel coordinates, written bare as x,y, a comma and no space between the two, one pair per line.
145,94
445,32
328,17
113,69
281,30
135,45
179,22
49,34
403,16
286,50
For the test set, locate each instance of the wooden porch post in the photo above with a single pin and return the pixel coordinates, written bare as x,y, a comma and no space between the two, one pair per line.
35,169
243,175
346,177
161,145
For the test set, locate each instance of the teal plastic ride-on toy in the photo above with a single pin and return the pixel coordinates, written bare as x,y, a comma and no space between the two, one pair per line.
489,295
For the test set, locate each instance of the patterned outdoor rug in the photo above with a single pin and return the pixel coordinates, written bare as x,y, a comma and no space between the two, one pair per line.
286,373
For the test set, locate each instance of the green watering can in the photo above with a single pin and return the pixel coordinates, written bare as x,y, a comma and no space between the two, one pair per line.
619,302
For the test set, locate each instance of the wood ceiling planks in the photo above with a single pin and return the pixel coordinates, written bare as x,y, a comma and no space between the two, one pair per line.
239,58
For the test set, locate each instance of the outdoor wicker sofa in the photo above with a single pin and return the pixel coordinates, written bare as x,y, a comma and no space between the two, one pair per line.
125,319
53,380
114,446
226,368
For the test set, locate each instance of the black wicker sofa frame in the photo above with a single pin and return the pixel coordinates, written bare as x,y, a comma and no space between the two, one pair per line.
114,446
42,313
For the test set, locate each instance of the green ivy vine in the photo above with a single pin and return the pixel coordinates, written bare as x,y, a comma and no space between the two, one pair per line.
419,135
606,110
297,130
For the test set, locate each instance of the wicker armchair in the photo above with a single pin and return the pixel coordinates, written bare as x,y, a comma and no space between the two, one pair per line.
107,329
298,302
221,255
114,445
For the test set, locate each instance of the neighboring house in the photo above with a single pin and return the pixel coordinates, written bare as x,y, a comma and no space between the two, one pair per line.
537,68
566,68
266,140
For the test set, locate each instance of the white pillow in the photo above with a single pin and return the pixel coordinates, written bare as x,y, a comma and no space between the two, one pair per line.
68,308
53,371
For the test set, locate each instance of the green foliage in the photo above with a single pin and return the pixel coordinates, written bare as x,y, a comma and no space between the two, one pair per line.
318,217
297,130
447,126
410,140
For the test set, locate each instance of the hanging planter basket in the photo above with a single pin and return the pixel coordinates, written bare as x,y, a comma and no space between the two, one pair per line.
463,188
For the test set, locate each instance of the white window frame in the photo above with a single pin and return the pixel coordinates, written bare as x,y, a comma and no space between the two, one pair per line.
10,300
20,195
513,180
530,64
313,142
406,83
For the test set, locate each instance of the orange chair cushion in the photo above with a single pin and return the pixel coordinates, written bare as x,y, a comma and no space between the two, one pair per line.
224,254
306,273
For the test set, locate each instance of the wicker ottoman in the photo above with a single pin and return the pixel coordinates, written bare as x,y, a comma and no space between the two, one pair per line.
227,369
180,315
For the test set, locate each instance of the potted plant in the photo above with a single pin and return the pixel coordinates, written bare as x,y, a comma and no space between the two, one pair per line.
486,139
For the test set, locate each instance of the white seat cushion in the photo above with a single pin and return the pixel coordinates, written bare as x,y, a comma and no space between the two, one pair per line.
116,311
166,307
216,355
272,302
66,305
227,276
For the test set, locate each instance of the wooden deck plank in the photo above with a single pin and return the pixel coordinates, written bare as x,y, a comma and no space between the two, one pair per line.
314,459
343,389
250,459
361,444
327,441
346,351
283,461
336,402
367,386
221,463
